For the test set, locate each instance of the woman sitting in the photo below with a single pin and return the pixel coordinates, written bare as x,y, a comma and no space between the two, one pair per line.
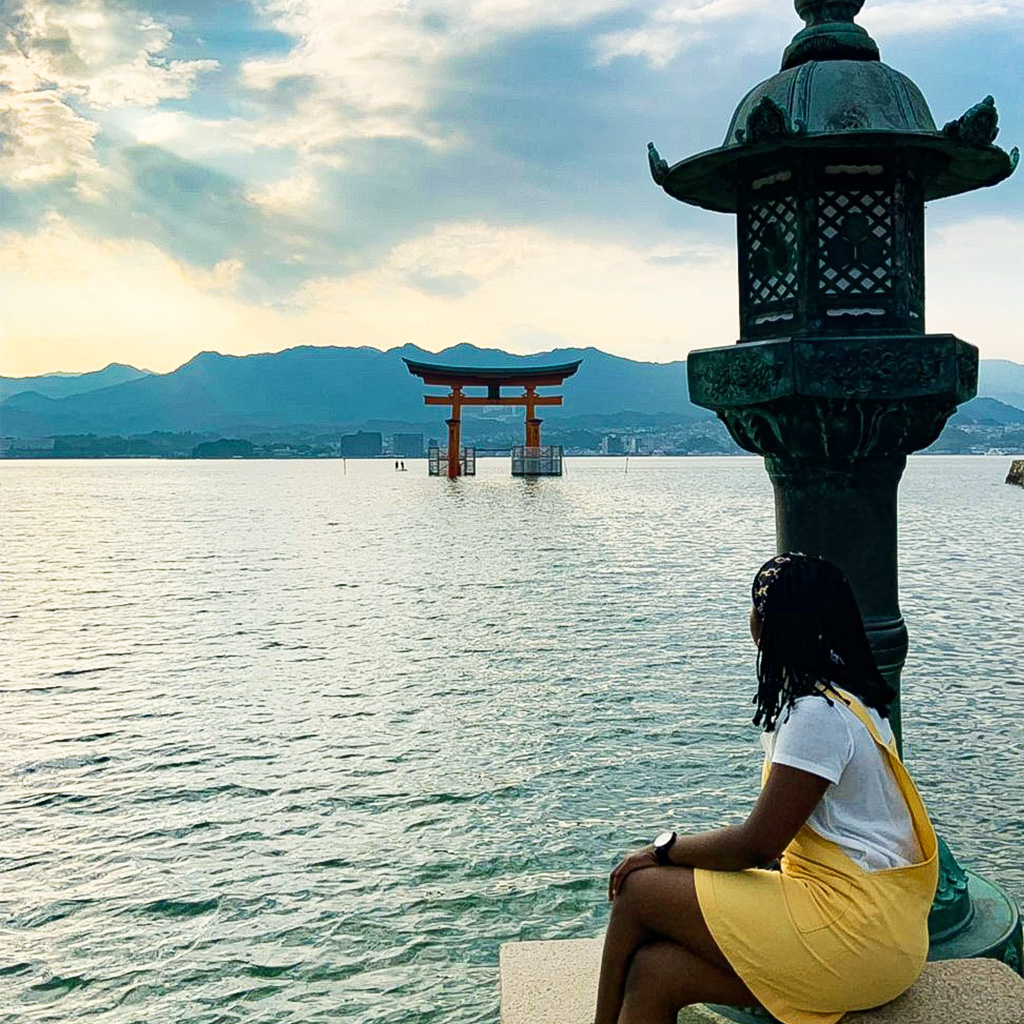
842,923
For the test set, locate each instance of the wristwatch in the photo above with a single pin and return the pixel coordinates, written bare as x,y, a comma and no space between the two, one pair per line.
662,845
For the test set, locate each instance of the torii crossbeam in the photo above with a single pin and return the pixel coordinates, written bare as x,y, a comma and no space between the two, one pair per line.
529,378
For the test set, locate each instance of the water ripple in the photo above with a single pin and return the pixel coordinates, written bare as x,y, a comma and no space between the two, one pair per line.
286,745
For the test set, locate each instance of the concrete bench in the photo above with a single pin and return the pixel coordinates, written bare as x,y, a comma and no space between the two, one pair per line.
555,983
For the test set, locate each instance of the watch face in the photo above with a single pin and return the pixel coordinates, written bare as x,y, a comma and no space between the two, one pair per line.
663,840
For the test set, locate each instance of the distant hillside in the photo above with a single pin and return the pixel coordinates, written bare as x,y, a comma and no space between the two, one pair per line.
326,387
30,414
988,412
333,389
1002,380
61,385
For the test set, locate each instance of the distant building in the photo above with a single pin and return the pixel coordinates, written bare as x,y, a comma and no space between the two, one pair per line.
364,444
621,444
407,446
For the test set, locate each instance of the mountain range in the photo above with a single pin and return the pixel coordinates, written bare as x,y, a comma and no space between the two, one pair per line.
335,388
60,385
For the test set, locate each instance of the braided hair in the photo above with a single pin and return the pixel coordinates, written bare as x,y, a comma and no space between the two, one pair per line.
812,638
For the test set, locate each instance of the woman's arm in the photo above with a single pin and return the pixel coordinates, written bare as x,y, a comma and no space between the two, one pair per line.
785,803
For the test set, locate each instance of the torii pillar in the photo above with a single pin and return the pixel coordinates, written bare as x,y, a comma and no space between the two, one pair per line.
455,434
532,422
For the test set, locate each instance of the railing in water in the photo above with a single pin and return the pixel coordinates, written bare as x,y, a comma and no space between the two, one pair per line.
437,462
540,460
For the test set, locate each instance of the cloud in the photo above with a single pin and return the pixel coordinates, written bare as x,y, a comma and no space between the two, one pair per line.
224,276
368,220
905,16
161,127
973,267
286,195
368,69
119,295
125,297
454,285
42,140
496,286
104,54
60,58
675,26
521,289
671,28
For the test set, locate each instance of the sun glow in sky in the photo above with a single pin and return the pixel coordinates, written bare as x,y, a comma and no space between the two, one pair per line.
179,175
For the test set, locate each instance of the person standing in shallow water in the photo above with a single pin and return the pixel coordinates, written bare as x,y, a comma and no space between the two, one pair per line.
843,923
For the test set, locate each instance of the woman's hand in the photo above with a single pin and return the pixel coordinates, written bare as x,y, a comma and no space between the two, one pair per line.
633,862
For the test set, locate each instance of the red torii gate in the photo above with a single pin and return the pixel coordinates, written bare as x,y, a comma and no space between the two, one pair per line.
529,378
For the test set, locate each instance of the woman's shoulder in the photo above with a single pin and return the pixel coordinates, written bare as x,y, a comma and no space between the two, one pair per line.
816,711
815,736
880,721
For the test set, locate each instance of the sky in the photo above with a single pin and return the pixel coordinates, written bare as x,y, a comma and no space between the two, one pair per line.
250,175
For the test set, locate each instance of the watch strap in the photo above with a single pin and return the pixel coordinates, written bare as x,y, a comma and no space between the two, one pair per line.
662,845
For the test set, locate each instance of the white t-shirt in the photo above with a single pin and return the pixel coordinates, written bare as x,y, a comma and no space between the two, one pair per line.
863,811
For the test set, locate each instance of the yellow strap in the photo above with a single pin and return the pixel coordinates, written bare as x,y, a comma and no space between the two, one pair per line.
909,791
861,712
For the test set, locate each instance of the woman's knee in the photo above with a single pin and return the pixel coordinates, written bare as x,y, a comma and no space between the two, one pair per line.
647,890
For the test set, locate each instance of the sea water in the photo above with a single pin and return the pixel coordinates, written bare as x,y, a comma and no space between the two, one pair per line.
305,741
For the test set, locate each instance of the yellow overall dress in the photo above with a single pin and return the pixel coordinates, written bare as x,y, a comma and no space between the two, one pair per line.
823,935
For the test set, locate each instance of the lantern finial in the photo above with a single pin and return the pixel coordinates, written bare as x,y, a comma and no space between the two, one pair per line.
829,33
821,12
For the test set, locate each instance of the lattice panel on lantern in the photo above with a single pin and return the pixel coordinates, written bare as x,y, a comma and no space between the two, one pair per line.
855,240
771,248
915,267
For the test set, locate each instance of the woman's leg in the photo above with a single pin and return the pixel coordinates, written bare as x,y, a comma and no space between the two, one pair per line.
625,935
664,977
656,904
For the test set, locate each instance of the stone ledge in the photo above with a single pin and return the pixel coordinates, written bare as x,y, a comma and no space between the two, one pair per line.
555,982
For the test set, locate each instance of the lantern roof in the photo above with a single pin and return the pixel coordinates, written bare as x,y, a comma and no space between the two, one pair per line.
834,95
